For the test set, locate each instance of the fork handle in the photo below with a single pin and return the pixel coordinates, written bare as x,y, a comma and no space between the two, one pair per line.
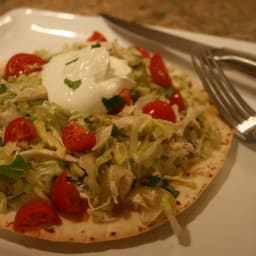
243,62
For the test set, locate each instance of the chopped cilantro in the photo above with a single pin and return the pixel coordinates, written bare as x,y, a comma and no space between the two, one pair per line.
116,132
72,84
113,103
47,128
167,186
2,88
16,168
9,96
96,45
169,92
154,181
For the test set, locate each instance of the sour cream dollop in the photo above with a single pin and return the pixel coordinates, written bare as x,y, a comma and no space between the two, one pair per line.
79,80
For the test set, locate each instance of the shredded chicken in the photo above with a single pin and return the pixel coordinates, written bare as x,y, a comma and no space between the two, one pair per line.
28,94
178,149
120,180
7,116
33,153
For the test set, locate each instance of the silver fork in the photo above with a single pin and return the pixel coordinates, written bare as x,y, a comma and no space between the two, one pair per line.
231,105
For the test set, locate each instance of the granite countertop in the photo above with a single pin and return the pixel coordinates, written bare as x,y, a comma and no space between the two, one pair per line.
232,18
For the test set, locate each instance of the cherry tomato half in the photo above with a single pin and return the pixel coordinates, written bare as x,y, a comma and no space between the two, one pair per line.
160,110
126,95
76,138
65,196
97,36
177,99
142,51
20,129
158,71
35,214
23,63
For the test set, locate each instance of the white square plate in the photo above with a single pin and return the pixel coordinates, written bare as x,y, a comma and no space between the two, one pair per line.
221,222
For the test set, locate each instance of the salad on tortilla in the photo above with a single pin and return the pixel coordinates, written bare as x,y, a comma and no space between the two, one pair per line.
102,142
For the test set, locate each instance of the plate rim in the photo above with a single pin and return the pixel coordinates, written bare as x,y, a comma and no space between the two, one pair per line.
40,11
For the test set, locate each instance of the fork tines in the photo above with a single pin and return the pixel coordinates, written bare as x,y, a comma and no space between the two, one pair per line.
234,109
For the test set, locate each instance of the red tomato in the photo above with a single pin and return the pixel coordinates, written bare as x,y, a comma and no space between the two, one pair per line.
65,196
142,51
126,95
23,63
160,110
177,99
76,138
158,71
20,129
35,214
97,36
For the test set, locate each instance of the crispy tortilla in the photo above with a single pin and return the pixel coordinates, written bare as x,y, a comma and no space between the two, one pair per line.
131,224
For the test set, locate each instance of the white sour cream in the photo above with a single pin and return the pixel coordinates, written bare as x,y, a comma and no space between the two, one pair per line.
98,74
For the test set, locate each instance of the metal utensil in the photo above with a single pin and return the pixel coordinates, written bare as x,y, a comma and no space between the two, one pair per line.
229,102
244,62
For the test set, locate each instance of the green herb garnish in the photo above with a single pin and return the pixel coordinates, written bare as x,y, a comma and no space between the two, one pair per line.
2,88
16,168
47,128
72,84
169,92
9,96
113,103
96,45
116,132
156,181
167,186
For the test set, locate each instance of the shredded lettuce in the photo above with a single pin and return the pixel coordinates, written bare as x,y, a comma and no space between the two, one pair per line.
88,163
3,203
7,153
75,170
120,152
168,205
105,157
42,176
51,137
146,201
119,181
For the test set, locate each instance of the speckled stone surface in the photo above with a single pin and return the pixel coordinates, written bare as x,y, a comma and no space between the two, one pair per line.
228,18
